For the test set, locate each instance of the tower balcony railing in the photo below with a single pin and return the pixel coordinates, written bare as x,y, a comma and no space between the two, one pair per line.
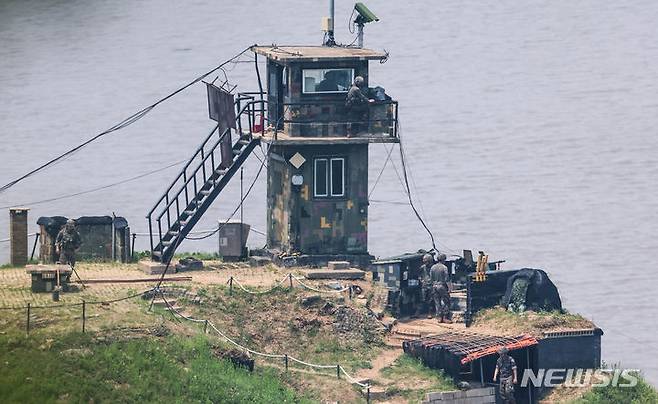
319,118
334,119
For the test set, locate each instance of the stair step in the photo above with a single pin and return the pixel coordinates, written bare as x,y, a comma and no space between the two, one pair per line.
221,171
189,212
237,152
205,192
173,232
244,141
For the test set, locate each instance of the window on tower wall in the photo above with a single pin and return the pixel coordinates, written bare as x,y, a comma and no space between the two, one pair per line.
329,177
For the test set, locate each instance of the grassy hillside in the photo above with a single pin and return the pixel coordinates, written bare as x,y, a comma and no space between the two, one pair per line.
79,368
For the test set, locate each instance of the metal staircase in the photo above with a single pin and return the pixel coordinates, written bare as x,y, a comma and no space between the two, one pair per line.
200,181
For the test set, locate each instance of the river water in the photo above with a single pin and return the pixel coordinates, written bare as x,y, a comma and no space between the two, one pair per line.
530,128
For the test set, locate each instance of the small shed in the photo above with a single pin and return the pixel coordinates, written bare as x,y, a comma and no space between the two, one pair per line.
104,238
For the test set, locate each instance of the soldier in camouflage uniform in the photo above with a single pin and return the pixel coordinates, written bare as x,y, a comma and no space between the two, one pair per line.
441,290
67,241
357,107
425,285
506,367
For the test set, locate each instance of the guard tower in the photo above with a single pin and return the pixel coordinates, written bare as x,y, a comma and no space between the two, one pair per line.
317,177
317,182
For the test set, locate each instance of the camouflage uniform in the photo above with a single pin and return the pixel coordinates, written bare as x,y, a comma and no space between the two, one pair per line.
425,283
506,366
357,107
440,291
67,241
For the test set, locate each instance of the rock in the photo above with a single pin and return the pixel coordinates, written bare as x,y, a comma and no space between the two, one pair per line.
311,300
189,264
259,261
328,309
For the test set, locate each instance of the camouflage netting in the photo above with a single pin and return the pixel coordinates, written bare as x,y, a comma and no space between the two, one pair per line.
531,289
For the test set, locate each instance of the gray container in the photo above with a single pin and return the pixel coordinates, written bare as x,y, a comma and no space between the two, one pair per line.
233,239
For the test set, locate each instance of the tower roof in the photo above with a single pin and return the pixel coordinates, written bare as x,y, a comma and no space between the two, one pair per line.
317,53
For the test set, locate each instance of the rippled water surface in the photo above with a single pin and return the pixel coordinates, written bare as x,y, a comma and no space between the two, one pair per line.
530,128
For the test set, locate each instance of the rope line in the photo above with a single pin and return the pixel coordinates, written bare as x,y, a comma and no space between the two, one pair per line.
350,378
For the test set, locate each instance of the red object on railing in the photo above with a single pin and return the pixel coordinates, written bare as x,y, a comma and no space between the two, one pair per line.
258,127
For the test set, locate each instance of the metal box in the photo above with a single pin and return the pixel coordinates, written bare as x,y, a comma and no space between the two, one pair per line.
233,239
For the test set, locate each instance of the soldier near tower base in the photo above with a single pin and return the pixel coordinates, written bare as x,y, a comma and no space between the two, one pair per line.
67,242
441,289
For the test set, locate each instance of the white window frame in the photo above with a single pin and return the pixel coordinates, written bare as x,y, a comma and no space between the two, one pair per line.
327,92
315,177
331,176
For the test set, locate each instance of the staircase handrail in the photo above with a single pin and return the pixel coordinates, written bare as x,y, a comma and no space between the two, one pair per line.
197,152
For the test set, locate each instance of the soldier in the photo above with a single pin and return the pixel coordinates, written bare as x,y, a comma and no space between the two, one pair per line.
67,241
441,289
357,106
506,367
425,284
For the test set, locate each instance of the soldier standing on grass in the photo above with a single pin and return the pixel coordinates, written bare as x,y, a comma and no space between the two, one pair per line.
506,367
441,289
67,241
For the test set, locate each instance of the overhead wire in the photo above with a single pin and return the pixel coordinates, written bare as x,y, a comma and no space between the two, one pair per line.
122,124
57,198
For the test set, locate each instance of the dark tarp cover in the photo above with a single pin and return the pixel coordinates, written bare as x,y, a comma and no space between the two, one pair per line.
542,294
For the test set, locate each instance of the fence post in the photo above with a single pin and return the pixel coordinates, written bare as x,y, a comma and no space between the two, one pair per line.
285,359
28,319
350,292
290,277
368,394
205,327
84,315
230,286
338,371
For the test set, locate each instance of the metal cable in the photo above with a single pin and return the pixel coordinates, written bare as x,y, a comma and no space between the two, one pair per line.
123,124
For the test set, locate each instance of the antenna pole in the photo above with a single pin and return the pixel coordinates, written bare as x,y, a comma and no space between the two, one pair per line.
359,34
330,40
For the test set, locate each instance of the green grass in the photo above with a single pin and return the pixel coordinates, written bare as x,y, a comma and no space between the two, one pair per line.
75,368
409,368
9,266
642,393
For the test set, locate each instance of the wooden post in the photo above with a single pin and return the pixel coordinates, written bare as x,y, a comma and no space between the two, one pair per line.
84,315
28,319
338,371
230,286
205,327
368,394
350,292
285,359
290,277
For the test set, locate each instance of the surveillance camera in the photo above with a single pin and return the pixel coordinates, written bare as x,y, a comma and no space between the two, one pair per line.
365,15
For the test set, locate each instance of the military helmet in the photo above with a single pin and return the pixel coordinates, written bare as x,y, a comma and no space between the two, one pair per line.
358,80
427,258
442,258
503,351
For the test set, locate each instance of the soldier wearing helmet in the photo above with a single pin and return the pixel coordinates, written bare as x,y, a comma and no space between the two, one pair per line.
506,367
440,278
425,284
67,242
357,107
